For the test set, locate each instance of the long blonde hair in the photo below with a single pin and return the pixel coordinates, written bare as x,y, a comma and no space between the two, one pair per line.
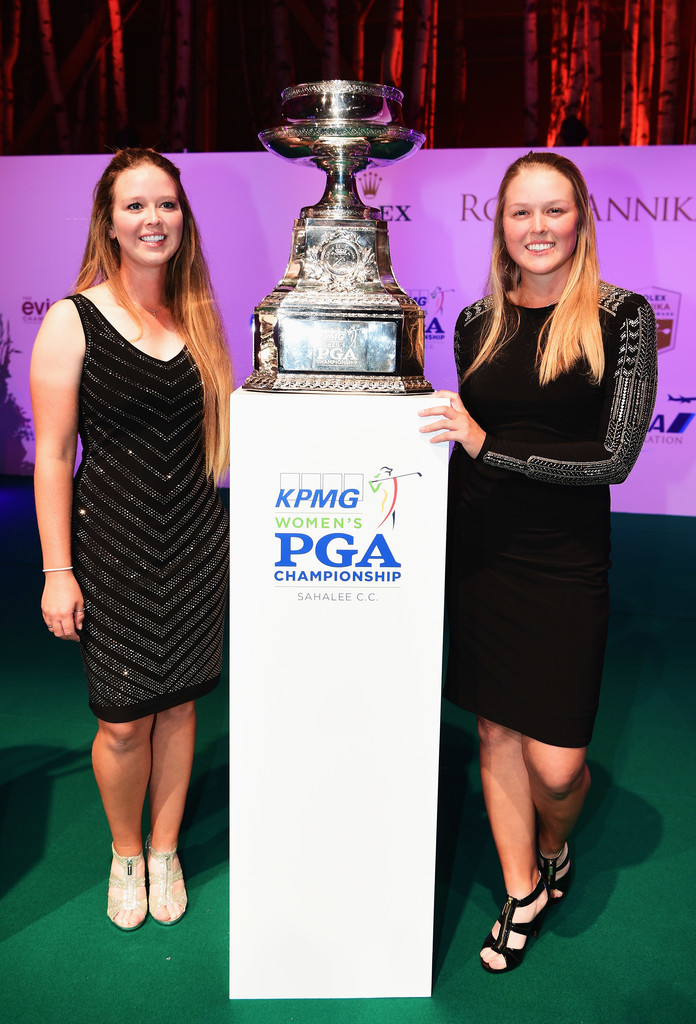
188,294
572,332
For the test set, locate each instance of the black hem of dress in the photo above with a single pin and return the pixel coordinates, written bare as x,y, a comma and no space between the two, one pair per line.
532,734
117,716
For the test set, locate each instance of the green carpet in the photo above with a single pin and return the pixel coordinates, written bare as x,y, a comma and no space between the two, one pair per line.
618,951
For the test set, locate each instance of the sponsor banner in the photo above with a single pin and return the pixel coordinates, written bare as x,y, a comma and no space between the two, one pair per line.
336,527
439,205
339,530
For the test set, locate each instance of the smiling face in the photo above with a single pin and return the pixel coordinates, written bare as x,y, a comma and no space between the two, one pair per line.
540,228
146,217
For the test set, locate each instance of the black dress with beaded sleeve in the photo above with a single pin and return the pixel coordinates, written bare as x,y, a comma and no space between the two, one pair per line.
149,533
528,531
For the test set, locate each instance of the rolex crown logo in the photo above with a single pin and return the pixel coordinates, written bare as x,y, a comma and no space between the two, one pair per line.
370,183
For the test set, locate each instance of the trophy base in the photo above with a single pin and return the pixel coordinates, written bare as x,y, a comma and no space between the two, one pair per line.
336,383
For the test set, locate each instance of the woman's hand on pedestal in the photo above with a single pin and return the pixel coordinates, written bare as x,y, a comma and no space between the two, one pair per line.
455,424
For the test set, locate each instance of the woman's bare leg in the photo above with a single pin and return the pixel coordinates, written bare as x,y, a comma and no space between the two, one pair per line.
559,780
121,759
173,742
528,785
511,812
509,805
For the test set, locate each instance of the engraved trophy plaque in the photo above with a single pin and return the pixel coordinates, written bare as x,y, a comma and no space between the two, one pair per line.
338,321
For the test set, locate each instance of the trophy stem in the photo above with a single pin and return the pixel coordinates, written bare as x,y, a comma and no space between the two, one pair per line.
340,199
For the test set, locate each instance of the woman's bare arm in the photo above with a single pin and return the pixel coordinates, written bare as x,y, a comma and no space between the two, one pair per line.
56,369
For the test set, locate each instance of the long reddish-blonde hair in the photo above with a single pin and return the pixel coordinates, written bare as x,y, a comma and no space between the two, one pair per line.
572,332
188,294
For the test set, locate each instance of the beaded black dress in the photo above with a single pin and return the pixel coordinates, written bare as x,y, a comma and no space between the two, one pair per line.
149,533
528,531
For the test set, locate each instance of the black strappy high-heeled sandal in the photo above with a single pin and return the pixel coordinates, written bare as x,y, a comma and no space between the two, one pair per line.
513,957
550,866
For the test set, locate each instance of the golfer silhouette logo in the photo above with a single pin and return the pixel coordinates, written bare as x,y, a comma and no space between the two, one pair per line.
386,484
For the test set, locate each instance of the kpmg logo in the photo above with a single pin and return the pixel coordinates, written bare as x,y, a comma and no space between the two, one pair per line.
432,302
665,305
369,183
34,310
311,491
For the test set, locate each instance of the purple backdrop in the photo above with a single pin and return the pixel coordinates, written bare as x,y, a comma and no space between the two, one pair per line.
439,205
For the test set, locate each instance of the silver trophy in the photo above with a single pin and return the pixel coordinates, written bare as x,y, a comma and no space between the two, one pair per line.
338,321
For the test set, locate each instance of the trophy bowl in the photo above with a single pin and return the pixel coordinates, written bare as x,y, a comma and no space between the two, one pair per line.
340,100
342,127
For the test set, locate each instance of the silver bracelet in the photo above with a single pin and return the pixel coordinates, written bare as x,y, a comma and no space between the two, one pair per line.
63,568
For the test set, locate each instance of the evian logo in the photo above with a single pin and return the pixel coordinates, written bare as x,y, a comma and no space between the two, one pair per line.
34,310
666,308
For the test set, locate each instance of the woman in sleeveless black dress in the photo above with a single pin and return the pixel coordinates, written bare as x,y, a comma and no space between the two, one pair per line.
557,375
135,550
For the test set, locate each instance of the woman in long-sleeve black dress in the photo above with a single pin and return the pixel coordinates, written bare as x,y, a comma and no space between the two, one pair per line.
557,378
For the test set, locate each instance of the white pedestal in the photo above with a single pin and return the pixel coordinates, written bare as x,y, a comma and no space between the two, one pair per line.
338,536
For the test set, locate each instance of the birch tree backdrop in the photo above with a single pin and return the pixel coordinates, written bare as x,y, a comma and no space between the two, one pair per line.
91,75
